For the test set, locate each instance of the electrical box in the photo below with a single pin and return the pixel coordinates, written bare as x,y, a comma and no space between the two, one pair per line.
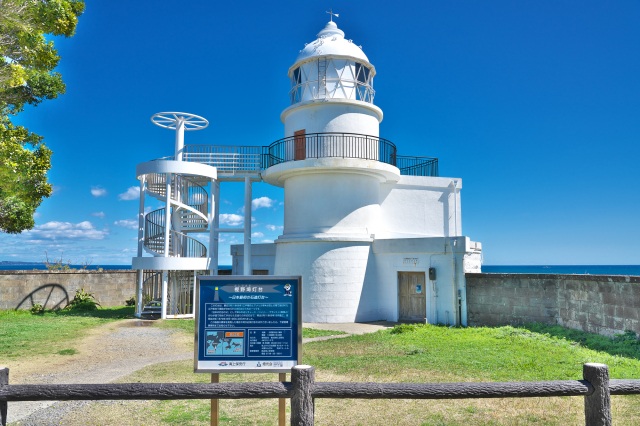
432,274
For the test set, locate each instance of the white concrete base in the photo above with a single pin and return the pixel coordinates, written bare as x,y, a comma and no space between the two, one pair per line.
332,277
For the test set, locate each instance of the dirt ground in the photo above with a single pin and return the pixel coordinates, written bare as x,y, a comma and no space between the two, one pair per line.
106,354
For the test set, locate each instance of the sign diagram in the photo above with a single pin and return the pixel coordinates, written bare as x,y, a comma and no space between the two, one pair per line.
248,324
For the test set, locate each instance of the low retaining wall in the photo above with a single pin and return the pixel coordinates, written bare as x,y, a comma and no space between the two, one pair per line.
21,289
601,304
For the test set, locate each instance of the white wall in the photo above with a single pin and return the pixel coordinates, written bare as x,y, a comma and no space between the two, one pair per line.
335,116
420,206
263,256
418,255
336,203
333,276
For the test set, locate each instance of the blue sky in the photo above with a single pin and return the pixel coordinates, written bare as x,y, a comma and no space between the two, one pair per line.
534,104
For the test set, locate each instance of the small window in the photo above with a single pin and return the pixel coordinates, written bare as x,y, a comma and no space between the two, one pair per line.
295,79
362,73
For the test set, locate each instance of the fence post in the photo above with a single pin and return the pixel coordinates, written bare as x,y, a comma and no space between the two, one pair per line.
597,406
4,380
302,380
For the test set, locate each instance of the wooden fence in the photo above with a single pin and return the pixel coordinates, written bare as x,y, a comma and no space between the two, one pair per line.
596,388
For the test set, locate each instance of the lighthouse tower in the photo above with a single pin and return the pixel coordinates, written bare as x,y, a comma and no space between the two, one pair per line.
331,165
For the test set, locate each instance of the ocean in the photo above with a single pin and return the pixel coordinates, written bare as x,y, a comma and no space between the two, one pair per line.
498,269
564,269
28,266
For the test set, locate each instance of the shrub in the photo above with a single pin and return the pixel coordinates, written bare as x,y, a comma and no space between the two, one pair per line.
37,309
83,301
130,301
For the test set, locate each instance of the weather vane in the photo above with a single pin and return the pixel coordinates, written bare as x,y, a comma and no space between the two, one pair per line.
330,12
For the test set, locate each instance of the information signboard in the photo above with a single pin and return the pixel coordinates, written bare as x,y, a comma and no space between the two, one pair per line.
248,324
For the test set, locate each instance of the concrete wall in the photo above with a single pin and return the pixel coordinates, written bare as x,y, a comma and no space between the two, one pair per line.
21,289
601,304
420,206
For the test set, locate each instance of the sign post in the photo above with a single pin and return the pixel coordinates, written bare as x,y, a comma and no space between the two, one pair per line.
248,324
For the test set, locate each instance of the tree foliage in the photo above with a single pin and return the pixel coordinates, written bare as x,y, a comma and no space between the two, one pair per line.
27,77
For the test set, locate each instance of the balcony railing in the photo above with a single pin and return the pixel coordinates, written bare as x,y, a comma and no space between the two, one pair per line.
346,145
227,159
323,145
234,160
417,166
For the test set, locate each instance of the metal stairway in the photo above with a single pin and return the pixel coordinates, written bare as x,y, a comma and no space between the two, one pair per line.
189,211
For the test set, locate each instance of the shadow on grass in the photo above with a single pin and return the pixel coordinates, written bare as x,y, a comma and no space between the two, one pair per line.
118,312
626,345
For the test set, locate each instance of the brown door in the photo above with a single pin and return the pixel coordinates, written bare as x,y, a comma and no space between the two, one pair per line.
300,145
412,297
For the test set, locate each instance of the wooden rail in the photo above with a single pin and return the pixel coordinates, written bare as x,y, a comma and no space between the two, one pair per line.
595,387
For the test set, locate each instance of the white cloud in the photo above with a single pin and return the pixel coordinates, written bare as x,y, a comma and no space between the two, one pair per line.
262,202
231,219
274,227
127,223
98,191
133,193
98,214
66,231
257,235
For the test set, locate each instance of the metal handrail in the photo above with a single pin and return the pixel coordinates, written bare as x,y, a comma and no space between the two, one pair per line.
331,144
254,159
227,159
180,245
417,166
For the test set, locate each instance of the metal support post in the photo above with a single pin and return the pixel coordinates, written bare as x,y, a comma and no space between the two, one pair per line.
247,226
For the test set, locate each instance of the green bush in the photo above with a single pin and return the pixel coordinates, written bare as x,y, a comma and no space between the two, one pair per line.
83,301
37,309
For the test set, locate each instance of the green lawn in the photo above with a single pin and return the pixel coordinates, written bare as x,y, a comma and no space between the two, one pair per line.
25,334
406,353
475,354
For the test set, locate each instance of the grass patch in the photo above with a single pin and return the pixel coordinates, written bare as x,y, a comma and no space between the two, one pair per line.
24,334
419,353
67,352
406,353
426,352
625,344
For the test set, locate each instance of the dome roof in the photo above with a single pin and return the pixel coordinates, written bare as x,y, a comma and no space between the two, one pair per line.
331,41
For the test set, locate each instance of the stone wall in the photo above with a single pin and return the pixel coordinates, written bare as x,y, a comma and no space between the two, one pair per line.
21,289
601,304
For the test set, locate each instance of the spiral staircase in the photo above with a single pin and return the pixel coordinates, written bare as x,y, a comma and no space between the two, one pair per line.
169,258
189,203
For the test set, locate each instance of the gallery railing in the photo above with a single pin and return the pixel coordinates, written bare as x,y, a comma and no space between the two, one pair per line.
346,145
417,166
329,145
252,159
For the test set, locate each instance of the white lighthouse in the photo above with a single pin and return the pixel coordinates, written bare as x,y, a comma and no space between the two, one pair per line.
363,226
332,208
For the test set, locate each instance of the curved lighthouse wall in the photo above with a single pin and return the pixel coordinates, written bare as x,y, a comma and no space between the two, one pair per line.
336,116
333,275
331,203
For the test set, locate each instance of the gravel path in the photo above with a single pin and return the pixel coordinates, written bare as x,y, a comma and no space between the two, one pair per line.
107,354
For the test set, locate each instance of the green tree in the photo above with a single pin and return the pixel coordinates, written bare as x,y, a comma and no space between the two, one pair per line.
27,77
